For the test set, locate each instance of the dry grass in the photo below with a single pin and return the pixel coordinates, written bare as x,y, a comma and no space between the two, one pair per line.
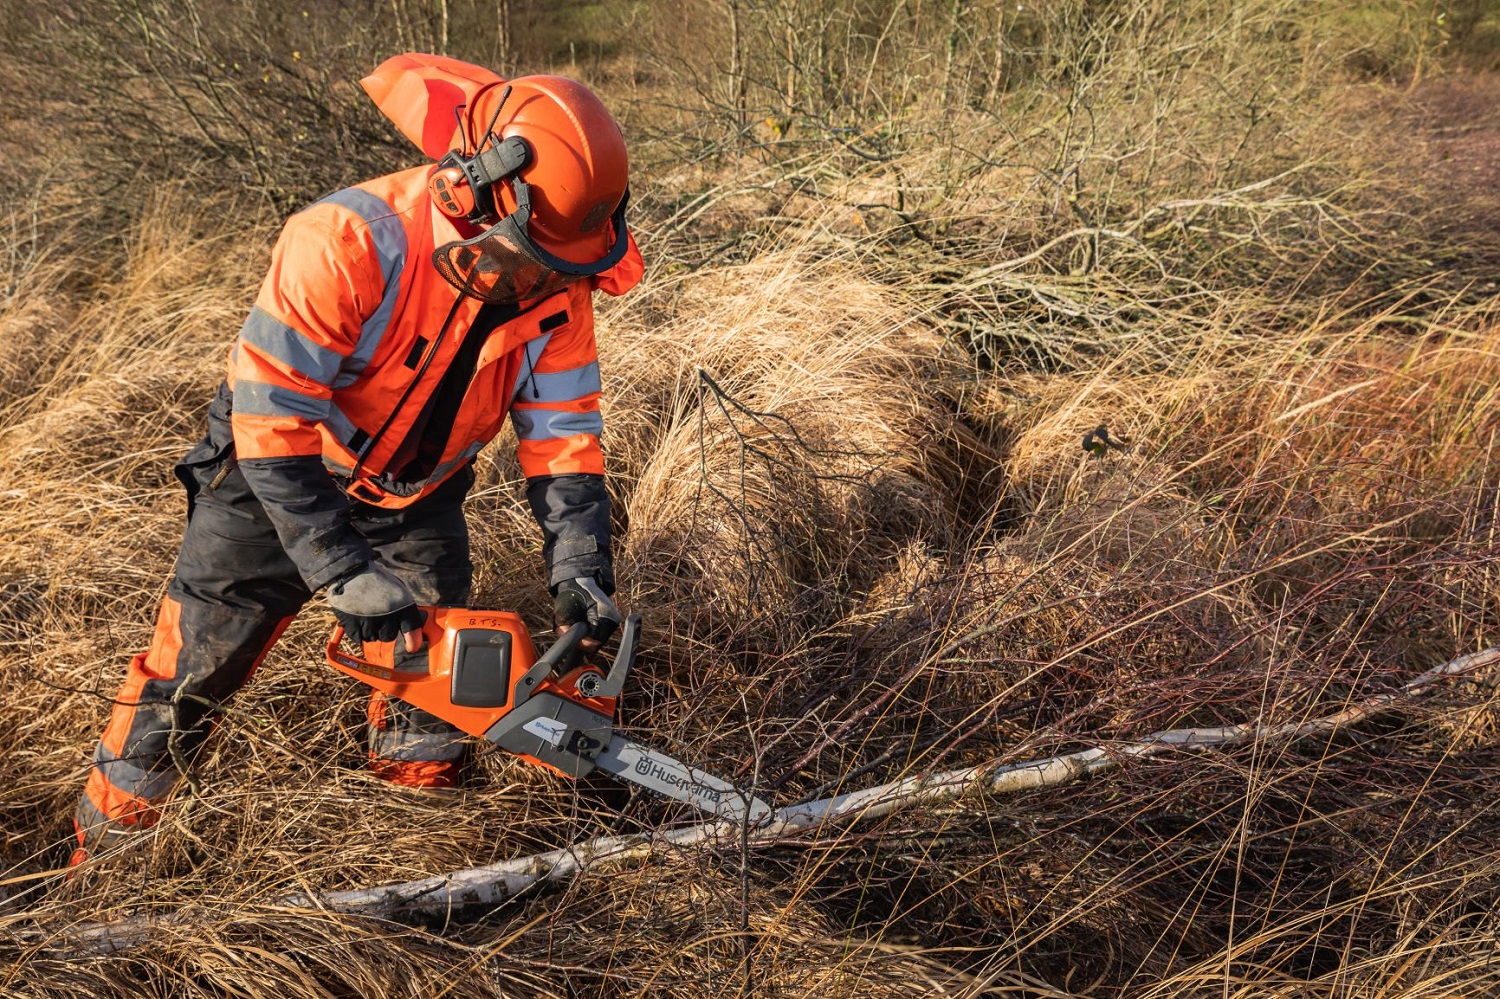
1247,556
844,422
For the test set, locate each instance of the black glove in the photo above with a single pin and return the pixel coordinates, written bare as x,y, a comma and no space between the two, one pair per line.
373,605
583,599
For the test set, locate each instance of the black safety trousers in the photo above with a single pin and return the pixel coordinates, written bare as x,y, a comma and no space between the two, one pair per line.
233,590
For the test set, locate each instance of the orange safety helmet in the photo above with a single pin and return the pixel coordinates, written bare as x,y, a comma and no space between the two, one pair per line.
557,138
548,182
578,170
537,162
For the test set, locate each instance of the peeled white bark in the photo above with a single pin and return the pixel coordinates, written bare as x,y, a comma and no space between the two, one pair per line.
495,883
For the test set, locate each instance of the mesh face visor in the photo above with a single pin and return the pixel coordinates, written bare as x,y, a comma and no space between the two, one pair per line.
503,265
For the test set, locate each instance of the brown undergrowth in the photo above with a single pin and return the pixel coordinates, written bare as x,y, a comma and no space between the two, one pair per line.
856,557
846,424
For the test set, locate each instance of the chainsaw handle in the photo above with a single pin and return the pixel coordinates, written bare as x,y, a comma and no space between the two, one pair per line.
630,636
335,654
402,659
550,660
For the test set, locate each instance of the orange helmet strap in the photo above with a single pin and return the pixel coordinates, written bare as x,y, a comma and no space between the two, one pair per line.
461,185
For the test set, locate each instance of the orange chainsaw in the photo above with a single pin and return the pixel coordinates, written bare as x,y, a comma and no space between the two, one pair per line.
478,670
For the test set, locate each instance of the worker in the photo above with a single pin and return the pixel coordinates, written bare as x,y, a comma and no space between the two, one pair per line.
401,321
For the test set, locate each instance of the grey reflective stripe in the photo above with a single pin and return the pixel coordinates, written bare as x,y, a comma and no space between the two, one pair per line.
342,428
389,236
543,424
442,470
561,386
296,350
133,779
530,350
260,399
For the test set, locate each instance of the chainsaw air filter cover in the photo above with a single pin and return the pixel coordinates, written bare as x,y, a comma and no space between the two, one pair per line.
481,668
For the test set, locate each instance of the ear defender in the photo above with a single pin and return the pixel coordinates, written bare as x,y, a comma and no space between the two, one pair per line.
461,184
450,188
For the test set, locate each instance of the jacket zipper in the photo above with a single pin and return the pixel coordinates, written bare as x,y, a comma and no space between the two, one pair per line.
369,448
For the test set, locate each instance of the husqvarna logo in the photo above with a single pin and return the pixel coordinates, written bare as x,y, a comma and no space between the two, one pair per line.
647,767
549,730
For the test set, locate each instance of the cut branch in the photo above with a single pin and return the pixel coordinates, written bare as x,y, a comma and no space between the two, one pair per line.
497,883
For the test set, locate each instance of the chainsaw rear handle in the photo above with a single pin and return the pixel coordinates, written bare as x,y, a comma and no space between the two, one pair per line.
336,639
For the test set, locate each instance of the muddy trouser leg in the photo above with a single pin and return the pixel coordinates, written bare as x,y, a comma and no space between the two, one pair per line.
427,545
232,593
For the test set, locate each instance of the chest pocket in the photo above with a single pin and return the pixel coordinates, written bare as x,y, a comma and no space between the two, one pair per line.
525,330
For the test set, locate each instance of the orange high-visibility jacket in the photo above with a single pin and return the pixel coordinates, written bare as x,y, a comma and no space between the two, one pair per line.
354,329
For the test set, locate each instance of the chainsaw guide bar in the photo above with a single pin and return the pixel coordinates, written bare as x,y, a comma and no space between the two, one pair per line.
661,773
479,671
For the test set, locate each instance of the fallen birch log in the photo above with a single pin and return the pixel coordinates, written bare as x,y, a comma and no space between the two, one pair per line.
496,883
